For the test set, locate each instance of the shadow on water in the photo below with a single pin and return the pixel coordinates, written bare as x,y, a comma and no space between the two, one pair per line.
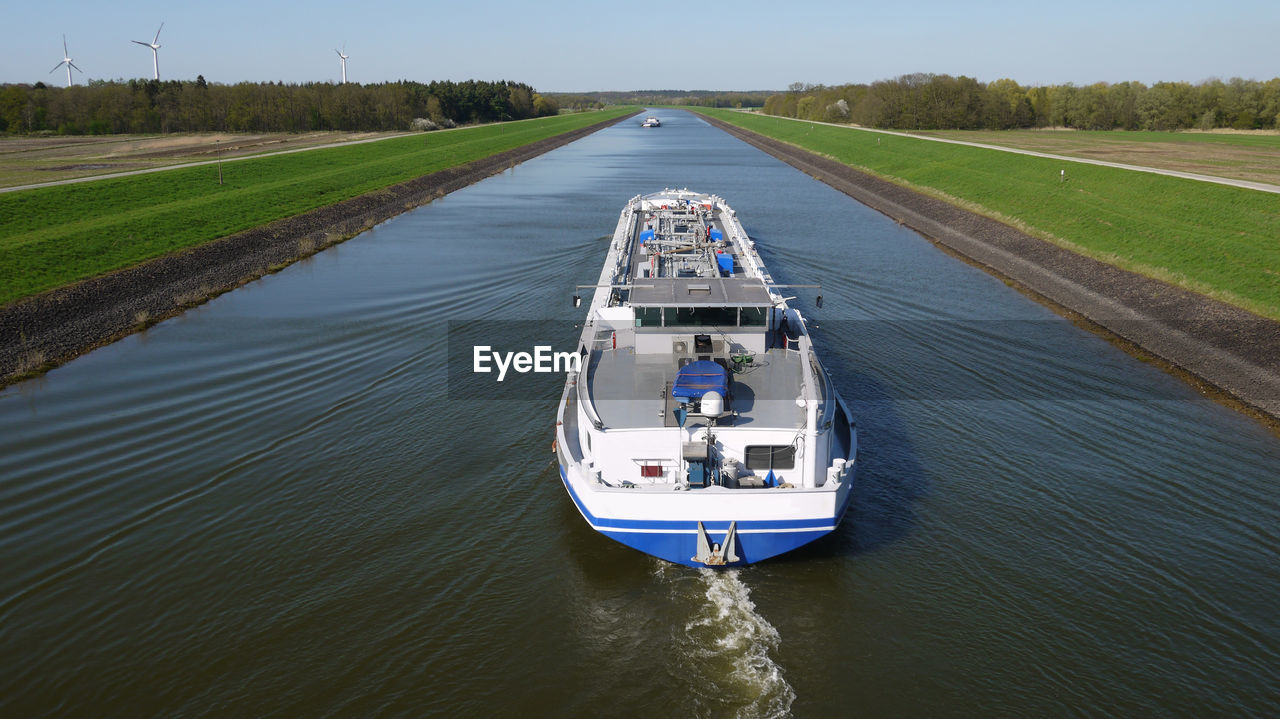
891,478
602,563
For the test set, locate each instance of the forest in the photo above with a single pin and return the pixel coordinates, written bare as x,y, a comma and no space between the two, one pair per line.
920,101
925,101
700,98
151,106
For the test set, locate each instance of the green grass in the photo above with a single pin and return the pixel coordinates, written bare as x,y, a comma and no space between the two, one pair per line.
1217,240
55,236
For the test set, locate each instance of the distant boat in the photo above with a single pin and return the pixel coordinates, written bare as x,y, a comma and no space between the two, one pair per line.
651,121
701,427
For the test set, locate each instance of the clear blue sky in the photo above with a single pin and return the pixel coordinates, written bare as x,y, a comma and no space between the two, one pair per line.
574,45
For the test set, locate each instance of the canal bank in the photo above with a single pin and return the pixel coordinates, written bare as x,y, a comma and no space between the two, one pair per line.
1209,342
47,330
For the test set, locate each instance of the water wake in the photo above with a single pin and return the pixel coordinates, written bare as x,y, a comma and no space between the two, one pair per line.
727,646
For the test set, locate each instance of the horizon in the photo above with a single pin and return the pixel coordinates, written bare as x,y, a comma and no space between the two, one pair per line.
672,91
575,47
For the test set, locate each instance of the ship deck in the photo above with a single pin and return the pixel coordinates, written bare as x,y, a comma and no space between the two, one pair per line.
631,391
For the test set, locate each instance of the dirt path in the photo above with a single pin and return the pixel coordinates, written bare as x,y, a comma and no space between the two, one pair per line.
41,332
290,151
143,153
1246,184
1218,344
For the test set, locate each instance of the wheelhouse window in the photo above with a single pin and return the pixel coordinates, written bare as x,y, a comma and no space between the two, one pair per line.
648,316
700,316
753,316
766,456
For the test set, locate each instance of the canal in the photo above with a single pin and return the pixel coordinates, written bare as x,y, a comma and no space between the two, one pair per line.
281,504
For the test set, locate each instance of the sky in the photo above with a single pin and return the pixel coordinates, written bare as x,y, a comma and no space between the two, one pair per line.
577,46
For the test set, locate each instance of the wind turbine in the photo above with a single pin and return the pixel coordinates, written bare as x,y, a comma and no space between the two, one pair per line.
344,62
66,60
154,45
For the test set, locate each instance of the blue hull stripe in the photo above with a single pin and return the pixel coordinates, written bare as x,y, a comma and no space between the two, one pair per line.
818,526
680,548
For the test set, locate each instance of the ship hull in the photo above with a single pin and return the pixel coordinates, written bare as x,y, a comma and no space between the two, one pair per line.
677,540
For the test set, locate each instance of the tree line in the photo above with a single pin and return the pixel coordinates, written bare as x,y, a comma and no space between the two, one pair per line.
924,101
701,98
152,106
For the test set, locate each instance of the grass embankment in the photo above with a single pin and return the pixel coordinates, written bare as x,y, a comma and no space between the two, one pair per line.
1217,240
54,236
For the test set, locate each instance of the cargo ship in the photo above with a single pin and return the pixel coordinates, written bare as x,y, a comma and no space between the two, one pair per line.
700,426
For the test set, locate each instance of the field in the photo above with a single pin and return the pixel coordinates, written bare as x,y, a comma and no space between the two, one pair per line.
34,160
1253,156
1216,240
54,236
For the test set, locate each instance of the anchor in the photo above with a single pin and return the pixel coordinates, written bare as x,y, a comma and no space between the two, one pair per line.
717,555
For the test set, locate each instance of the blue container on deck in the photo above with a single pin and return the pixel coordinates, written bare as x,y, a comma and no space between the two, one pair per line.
716,235
698,378
725,262
645,236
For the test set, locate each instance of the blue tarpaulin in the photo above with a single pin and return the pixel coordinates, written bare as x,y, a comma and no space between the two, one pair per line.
645,236
716,235
697,378
725,262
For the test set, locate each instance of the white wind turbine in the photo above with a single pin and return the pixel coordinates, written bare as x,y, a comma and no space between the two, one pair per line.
66,60
155,46
344,62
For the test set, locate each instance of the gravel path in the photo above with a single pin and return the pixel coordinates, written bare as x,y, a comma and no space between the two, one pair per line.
198,163
1246,184
41,332
1221,345
232,158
